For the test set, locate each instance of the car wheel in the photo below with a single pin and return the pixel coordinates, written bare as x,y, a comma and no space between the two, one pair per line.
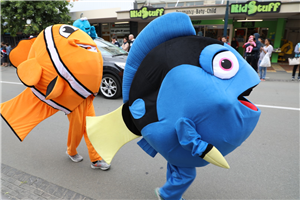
110,87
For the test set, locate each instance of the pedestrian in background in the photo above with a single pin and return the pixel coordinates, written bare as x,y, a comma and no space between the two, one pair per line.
268,48
8,49
114,41
224,39
253,57
235,44
131,39
3,55
253,44
261,41
297,55
125,45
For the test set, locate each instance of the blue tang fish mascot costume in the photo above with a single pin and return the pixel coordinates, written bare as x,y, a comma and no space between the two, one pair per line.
85,25
184,94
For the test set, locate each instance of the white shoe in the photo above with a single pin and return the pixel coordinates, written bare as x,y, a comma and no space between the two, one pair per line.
76,158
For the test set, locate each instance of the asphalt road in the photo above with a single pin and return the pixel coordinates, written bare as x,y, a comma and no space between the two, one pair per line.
265,166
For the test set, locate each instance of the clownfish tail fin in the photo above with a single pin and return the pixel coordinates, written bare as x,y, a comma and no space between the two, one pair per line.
20,53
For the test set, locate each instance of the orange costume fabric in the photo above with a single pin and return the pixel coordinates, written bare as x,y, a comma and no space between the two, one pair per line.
62,69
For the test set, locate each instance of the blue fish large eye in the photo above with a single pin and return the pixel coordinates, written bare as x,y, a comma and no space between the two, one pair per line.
225,65
217,60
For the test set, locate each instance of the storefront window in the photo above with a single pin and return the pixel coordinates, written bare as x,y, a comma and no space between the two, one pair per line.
120,31
219,2
263,33
212,31
180,4
198,3
159,5
215,31
199,30
240,35
115,29
251,31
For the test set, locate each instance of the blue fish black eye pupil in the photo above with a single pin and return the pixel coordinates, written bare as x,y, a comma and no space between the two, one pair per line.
226,64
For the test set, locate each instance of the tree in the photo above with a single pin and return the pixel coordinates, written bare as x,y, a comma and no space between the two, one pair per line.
31,17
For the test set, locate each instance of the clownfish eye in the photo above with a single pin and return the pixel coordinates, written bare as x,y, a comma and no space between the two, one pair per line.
67,30
225,65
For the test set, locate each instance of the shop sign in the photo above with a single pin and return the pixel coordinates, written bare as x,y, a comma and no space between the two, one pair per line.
253,7
195,22
201,11
146,12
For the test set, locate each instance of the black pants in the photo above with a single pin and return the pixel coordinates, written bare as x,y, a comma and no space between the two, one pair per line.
294,71
252,60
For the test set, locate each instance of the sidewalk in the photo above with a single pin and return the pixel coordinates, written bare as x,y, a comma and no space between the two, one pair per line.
17,184
280,72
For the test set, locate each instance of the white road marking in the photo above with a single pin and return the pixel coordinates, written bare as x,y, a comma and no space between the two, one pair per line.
263,106
277,107
11,82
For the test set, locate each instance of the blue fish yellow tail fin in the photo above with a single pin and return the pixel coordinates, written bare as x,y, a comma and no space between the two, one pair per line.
108,133
157,32
20,53
22,116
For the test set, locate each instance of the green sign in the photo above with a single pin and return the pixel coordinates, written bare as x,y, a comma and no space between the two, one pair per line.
146,12
253,7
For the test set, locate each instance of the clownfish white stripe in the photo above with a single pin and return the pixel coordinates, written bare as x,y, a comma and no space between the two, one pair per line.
61,68
50,102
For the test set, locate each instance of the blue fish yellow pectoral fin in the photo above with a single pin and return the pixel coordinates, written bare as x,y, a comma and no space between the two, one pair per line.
190,140
30,72
55,88
108,133
213,156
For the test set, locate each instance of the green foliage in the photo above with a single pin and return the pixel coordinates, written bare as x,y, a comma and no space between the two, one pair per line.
14,16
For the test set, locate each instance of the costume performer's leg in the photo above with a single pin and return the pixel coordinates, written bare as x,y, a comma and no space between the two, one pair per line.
77,128
178,180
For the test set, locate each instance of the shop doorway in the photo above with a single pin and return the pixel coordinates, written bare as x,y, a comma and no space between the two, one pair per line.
240,36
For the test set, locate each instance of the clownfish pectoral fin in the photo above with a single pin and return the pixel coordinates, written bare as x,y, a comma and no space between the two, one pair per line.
108,133
55,88
20,53
29,72
213,156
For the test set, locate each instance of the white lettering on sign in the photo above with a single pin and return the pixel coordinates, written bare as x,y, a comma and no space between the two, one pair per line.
201,11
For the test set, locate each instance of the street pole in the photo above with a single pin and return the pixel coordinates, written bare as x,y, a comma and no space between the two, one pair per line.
226,20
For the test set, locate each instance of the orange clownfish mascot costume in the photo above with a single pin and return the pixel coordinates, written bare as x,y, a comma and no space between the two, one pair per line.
62,69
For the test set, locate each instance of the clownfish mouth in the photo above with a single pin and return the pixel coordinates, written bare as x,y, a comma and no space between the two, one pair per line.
88,47
245,101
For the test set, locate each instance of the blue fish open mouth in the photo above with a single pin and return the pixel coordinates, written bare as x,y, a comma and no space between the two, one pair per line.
245,101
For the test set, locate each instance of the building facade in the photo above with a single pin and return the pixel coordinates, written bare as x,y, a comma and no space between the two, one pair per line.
277,20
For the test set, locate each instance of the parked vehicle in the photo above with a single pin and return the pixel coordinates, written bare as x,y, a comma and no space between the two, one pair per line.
114,60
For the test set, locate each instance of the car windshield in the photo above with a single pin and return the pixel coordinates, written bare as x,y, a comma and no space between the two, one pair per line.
108,48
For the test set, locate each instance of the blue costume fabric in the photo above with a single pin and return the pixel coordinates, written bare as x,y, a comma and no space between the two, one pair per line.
85,25
185,93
